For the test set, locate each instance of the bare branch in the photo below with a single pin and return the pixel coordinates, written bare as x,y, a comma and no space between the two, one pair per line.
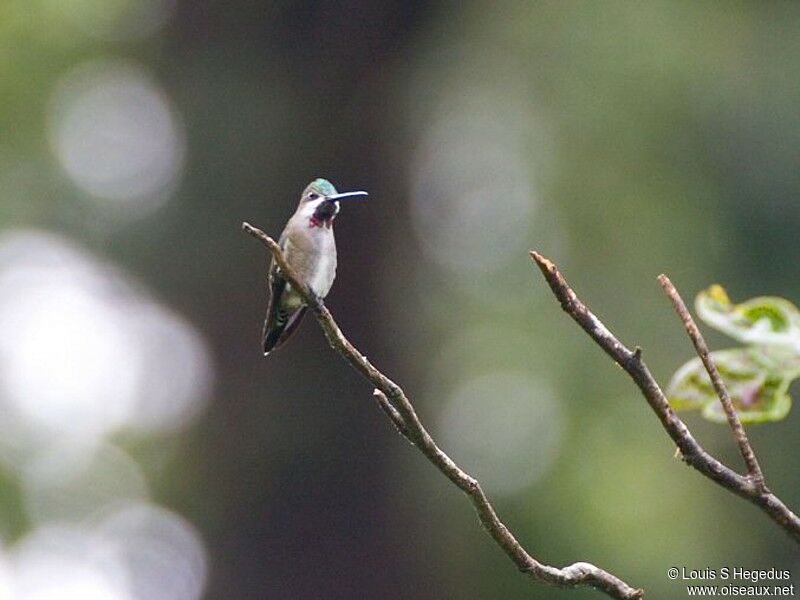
399,409
392,413
750,460
693,454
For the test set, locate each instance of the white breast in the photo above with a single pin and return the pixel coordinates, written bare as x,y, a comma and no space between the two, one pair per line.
313,250
322,279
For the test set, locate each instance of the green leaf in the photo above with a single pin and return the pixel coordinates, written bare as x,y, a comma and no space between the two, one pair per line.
765,320
757,379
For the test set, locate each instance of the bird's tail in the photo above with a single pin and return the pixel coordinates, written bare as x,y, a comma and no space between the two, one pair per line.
278,330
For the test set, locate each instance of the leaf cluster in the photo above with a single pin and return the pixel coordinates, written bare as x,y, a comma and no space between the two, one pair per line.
758,374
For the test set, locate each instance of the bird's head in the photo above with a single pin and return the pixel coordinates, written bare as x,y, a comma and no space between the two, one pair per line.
320,202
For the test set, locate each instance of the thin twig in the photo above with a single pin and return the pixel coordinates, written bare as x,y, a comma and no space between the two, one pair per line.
401,412
692,452
392,413
750,460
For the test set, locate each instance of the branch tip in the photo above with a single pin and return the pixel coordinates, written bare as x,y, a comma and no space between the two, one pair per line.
542,262
754,473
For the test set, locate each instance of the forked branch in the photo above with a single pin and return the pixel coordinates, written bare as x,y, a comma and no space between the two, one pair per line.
749,456
750,486
400,411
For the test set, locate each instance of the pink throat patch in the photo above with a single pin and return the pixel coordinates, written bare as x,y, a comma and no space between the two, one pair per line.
314,222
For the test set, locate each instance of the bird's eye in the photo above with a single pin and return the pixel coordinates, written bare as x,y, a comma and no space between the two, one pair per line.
313,196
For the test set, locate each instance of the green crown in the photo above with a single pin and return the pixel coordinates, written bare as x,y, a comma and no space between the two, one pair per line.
322,186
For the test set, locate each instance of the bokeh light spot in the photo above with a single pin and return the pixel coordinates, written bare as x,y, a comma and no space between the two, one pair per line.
163,553
116,135
178,365
63,361
505,428
86,353
66,563
473,196
71,482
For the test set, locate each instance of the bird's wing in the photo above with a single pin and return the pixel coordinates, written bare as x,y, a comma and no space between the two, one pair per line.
277,286
280,322
291,325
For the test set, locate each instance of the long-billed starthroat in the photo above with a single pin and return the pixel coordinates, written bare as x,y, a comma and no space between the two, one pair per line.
310,249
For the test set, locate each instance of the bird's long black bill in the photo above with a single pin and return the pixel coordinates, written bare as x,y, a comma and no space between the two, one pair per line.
337,197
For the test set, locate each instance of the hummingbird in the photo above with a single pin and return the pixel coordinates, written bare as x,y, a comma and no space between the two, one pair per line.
308,244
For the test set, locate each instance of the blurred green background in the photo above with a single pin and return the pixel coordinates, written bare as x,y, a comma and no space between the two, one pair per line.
149,451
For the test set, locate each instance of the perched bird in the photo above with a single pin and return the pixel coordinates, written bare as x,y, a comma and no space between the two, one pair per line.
309,247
